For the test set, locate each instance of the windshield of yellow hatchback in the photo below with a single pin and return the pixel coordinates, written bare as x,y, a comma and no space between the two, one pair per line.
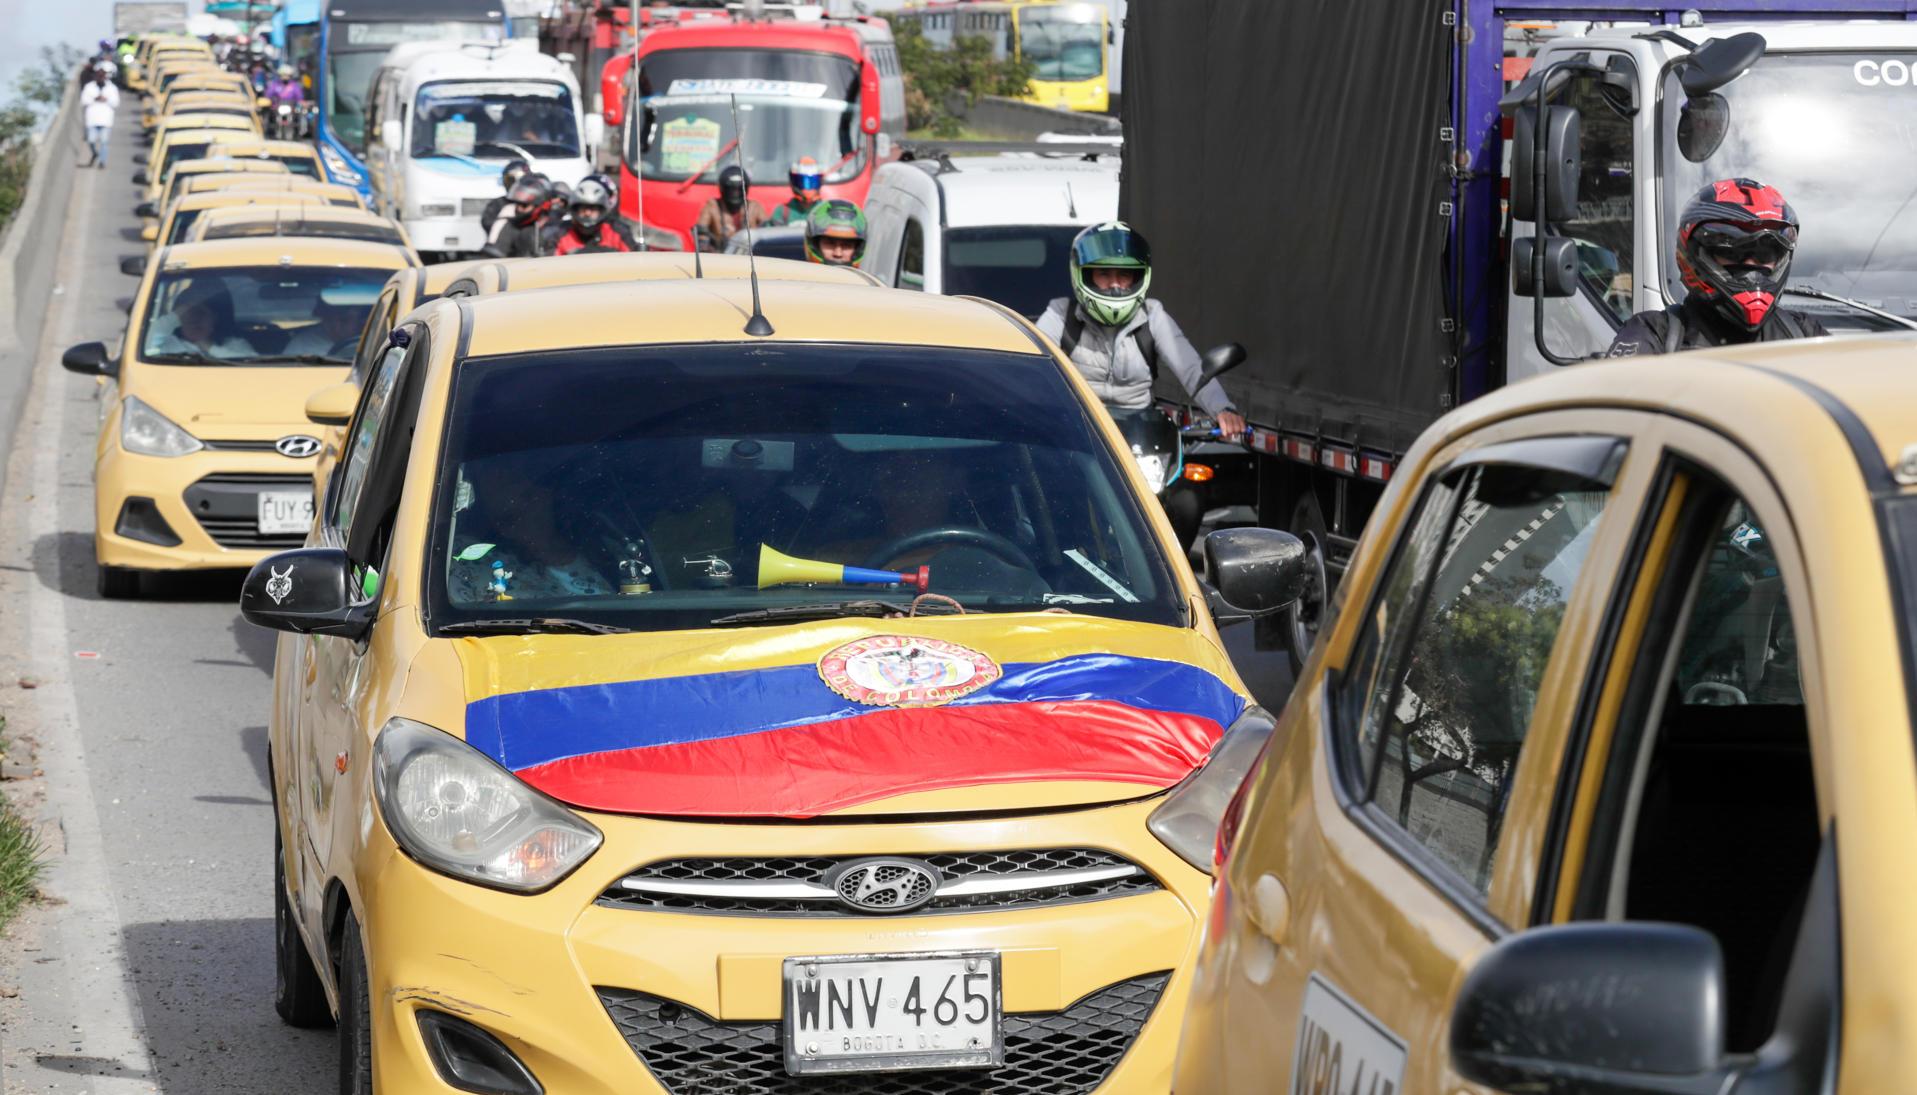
668,487
280,315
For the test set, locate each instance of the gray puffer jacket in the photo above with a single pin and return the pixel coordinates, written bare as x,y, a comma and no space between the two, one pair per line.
1111,361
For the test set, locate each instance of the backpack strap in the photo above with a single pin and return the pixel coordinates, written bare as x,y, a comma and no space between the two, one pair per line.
1147,346
1074,329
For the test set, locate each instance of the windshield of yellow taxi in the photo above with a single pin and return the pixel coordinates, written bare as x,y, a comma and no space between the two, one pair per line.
259,315
663,488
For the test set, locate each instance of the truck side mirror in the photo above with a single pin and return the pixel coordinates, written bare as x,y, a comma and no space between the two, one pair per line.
1594,1007
1702,124
1560,266
1560,164
390,133
1719,61
595,131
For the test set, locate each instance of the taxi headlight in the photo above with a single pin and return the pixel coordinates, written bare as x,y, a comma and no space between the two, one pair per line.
454,810
659,239
1187,821
147,432
1156,467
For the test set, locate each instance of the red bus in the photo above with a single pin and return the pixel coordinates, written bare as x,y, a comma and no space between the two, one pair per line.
831,89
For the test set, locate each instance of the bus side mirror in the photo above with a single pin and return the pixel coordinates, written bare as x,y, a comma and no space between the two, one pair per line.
1560,165
1560,266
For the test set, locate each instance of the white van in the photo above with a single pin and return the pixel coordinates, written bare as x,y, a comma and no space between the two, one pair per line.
998,227
444,117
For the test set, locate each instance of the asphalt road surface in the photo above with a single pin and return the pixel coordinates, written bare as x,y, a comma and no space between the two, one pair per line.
152,969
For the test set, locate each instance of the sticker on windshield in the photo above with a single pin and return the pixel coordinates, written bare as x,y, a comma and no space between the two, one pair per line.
455,138
1341,1048
1891,73
789,89
905,671
1104,578
688,144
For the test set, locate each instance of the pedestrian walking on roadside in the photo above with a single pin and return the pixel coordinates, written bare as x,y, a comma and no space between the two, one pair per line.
98,102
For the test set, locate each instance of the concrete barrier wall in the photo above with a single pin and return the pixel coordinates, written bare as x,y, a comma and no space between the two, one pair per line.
31,238
1012,119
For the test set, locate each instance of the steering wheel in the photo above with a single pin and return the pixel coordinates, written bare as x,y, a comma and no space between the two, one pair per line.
1714,694
951,535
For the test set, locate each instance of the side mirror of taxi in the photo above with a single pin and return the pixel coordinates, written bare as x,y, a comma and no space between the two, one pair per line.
146,209
1594,1007
333,405
89,359
1256,571
133,266
308,591
150,233
140,178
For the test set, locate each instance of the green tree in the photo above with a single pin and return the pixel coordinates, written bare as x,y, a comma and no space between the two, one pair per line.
941,84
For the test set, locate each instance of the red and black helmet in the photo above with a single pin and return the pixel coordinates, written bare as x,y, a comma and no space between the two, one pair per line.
1734,244
531,197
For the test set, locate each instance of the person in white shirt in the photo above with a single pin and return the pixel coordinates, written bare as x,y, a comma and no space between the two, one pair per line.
98,101
199,329
335,336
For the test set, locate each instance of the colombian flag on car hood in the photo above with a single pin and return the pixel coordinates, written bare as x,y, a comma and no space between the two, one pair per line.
802,721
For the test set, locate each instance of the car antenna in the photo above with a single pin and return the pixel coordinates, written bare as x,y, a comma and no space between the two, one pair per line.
1071,203
758,326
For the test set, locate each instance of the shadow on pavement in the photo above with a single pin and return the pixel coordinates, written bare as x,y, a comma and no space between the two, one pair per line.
253,744
206,992
256,644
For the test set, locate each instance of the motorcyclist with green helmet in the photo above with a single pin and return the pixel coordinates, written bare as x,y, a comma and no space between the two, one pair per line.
835,233
1119,337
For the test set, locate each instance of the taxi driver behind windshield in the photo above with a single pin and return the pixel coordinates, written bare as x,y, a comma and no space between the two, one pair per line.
259,315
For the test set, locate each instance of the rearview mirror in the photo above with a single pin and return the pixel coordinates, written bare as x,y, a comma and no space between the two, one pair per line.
308,591
146,209
1719,61
1560,266
88,359
1256,570
133,266
333,405
1702,125
390,133
1560,164
1594,1007
1218,361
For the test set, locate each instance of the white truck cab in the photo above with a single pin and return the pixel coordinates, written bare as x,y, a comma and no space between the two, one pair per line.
443,119
999,227
1824,115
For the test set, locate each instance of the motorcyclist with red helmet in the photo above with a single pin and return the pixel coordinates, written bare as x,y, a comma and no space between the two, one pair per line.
1735,240
589,229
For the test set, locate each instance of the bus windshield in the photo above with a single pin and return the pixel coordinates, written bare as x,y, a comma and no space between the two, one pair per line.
1832,131
495,118
354,51
1062,41
791,105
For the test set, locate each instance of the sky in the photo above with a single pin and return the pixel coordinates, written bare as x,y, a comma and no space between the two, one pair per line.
32,24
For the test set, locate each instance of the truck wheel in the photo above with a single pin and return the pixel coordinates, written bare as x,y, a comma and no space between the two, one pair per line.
355,1014
117,583
297,993
1304,615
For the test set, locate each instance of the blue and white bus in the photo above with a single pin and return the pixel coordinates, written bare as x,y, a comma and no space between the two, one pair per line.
354,36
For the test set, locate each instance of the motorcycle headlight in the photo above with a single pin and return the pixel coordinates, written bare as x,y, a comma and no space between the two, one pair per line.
337,169
147,432
658,239
1187,821
453,809
1156,467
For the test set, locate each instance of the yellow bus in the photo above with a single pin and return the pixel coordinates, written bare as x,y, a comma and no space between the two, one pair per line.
1068,43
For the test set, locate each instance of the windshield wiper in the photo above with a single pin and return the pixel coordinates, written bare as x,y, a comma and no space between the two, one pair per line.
298,359
829,610
532,625
1855,305
180,358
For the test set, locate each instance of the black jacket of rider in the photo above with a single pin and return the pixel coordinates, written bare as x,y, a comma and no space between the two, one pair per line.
491,213
1700,325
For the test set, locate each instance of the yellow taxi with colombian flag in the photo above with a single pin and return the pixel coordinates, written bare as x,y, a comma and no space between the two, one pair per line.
1604,779
204,458
682,697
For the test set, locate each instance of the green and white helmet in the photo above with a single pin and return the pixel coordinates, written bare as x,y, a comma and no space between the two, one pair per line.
1112,245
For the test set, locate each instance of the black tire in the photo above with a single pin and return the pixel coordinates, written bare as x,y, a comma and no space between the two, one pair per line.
298,995
355,1014
1305,616
117,583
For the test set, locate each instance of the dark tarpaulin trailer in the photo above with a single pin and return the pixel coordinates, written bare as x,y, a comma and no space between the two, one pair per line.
1299,208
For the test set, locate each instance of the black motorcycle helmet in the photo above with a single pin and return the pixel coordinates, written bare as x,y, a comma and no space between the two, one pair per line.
530,197
733,185
510,174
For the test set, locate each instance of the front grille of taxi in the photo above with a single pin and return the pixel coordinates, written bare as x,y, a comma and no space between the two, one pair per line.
1058,1053
226,505
797,887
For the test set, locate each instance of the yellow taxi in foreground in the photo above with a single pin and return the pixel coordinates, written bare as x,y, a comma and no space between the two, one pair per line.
1603,779
204,459
666,708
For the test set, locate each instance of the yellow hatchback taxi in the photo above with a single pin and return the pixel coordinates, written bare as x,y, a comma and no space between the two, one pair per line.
300,219
205,458
666,708
1603,779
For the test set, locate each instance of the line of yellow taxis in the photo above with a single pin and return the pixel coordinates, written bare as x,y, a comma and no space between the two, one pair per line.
664,706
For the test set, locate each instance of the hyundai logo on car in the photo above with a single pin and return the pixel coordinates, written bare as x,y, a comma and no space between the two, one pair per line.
886,885
298,446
